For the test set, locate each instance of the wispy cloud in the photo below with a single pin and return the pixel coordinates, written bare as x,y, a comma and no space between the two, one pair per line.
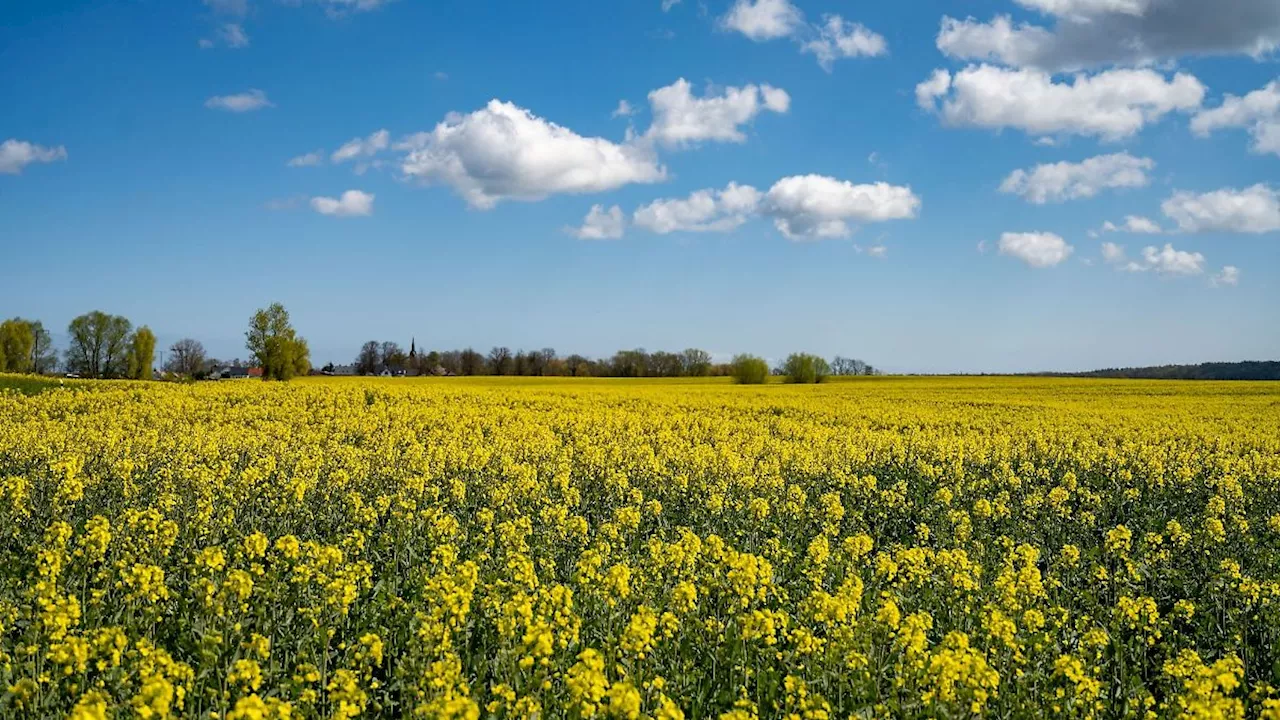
240,102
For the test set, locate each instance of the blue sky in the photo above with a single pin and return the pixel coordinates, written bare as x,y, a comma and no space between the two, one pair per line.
874,211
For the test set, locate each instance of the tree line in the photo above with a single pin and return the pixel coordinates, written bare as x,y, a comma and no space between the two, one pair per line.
1249,370
101,345
105,346
376,356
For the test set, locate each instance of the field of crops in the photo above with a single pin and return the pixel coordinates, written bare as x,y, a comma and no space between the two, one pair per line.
461,549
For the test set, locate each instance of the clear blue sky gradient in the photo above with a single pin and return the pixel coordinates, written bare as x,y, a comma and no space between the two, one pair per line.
159,212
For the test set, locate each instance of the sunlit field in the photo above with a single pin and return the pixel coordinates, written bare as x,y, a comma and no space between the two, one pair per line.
466,548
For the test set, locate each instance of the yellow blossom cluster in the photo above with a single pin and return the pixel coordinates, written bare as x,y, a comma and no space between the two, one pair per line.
656,550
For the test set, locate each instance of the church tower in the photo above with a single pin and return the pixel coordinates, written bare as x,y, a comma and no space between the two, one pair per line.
413,350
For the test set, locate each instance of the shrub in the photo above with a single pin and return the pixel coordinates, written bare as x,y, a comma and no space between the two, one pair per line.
749,370
805,368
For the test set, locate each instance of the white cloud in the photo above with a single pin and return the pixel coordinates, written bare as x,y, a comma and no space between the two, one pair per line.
1095,33
763,19
1251,210
17,154
1164,261
1134,224
601,224
504,152
1259,112
1058,182
292,202
1039,250
341,8
1228,277
1113,254
668,4
352,203
816,206
1111,105
233,35
878,251
999,40
241,102
310,159
1168,261
681,119
362,147
838,38
1086,8
802,207
624,109
702,211
937,86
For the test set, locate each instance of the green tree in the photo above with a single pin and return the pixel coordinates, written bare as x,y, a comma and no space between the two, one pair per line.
16,340
142,353
805,368
696,363
99,345
275,345
43,357
749,370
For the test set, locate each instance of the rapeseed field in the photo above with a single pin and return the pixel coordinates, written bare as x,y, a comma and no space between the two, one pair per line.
1006,548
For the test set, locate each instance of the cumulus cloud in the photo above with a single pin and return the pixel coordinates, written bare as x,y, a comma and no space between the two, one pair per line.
1165,260
1037,249
601,224
816,206
1113,254
1093,33
352,203
1258,112
1111,105
310,159
681,119
240,102
1134,224
834,38
763,19
1168,261
17,154
802,207
1254,209
362,147
703,211
1229,276
1058,182
839,38
504,152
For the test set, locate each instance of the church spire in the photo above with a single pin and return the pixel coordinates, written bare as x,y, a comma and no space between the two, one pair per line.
413,350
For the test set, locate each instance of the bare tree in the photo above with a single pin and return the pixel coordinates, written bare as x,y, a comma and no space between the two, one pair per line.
186,357
367,360
391,355
500,361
